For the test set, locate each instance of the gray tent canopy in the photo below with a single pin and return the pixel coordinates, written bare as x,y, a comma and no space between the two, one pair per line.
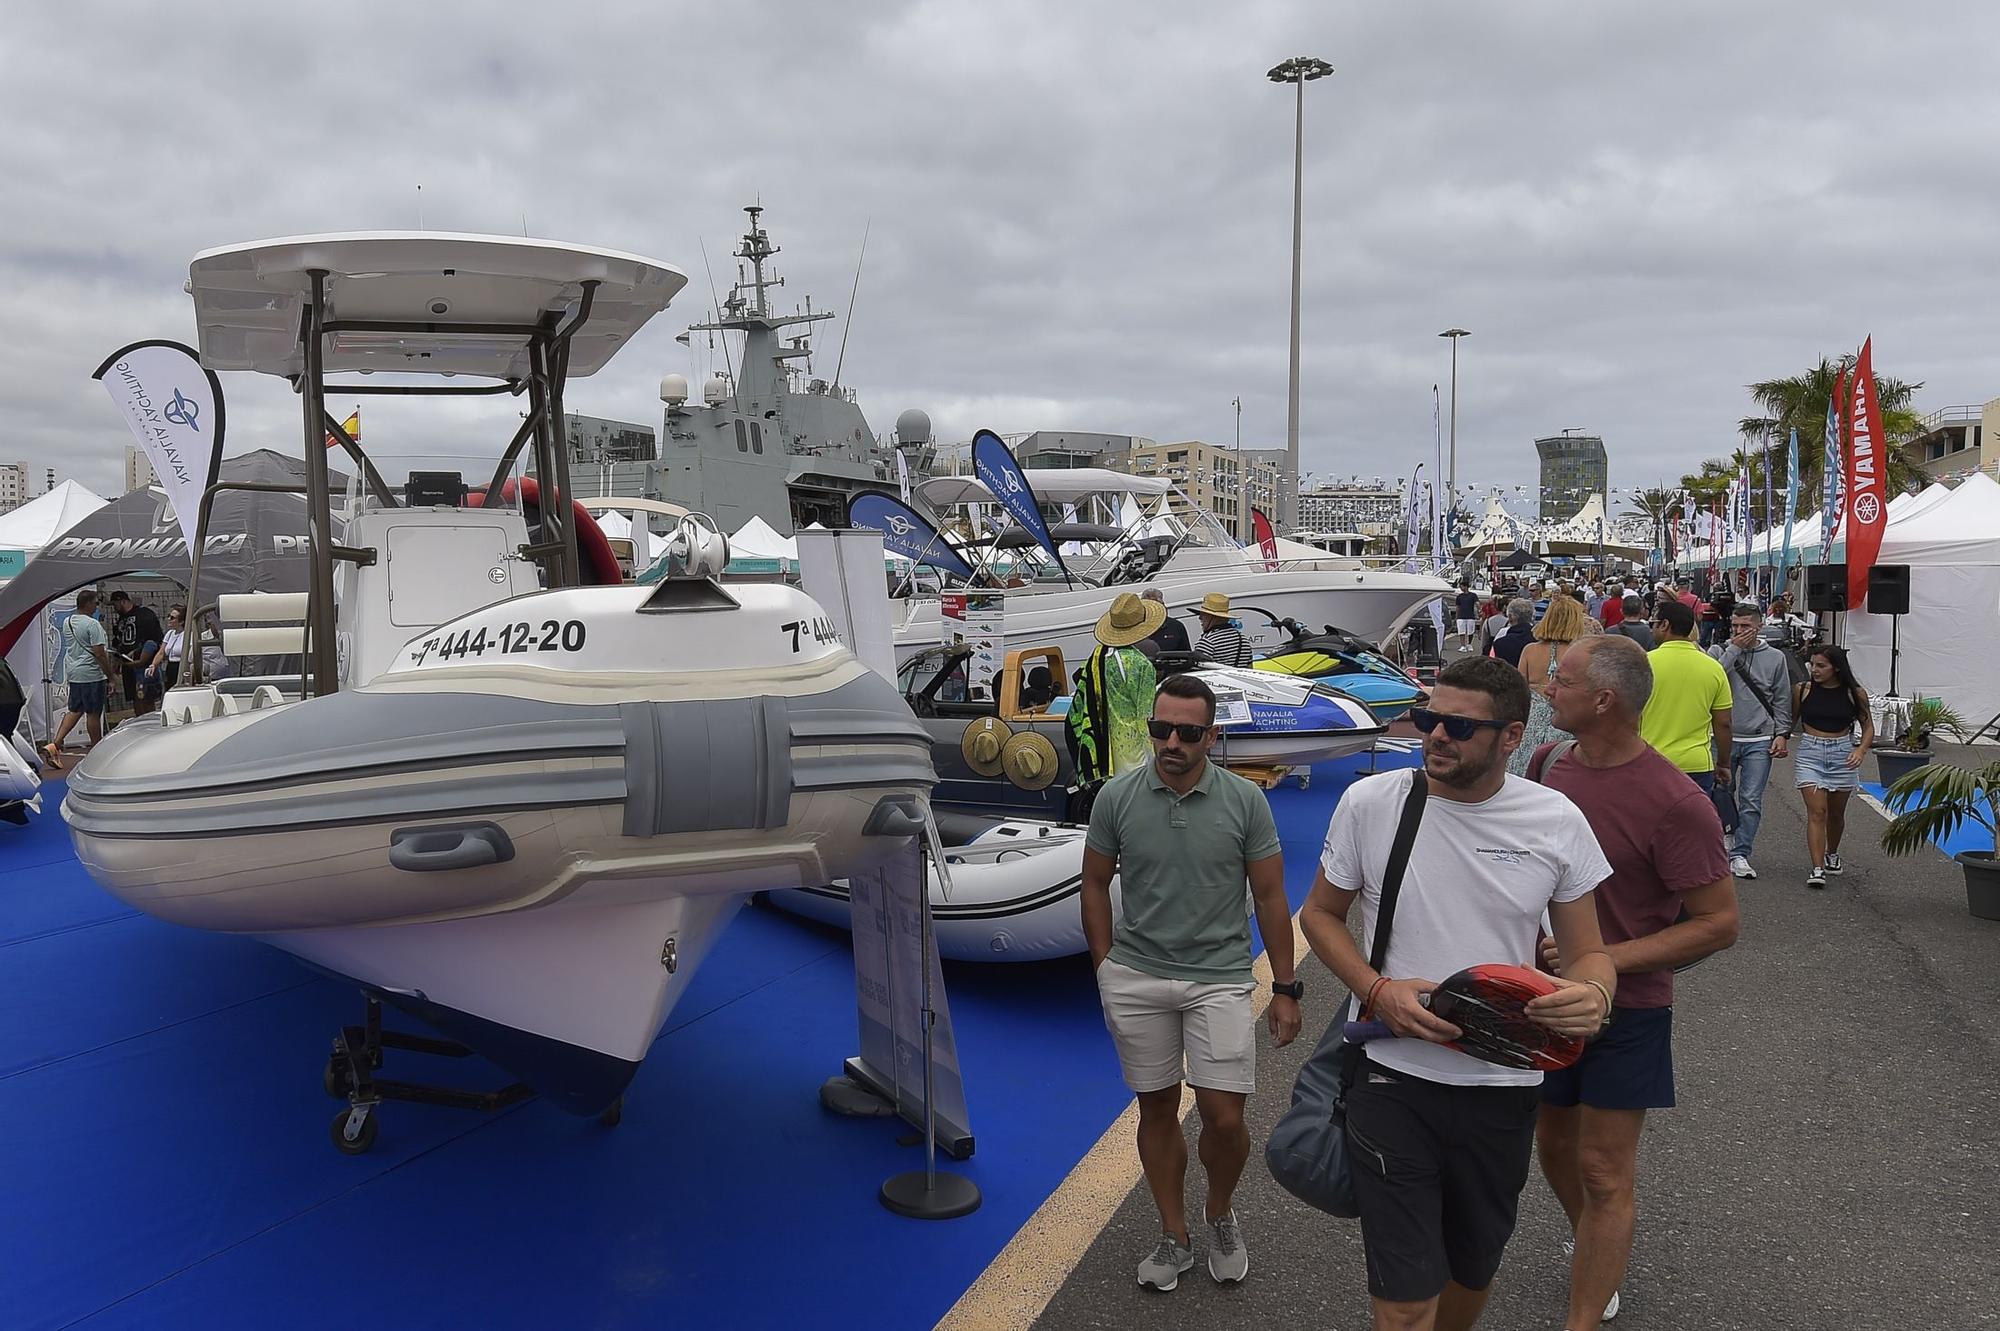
256,543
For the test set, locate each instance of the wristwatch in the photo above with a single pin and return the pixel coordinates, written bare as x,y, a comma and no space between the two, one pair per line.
1295,990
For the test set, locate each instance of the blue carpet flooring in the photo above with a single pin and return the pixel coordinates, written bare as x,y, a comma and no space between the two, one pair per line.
168,1161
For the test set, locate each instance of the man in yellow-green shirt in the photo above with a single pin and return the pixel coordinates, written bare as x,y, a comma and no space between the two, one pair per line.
1691,701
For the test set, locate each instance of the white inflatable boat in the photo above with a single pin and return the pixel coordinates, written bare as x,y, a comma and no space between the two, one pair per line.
1014,894
515,805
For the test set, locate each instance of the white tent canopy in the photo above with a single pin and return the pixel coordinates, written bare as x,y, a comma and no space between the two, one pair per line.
616,526
40,520
758,539
1951,636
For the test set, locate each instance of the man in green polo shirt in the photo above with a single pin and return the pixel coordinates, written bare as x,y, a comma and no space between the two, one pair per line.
1173,969
1687,718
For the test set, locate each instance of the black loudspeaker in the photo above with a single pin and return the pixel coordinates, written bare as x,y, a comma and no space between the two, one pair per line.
1889,589
1826,587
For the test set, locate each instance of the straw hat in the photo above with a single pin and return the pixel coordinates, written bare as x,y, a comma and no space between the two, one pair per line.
981,744
1129,620
1215,603
1029,760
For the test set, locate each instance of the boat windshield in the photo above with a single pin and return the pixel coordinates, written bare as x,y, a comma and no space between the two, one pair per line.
1110,528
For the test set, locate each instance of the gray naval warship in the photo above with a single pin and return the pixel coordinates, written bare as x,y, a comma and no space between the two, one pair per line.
768,440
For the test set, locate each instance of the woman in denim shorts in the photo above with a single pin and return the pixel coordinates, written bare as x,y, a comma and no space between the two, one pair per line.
1827,709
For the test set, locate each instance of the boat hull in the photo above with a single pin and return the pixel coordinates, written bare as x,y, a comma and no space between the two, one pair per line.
1015,895
535,860
1369,604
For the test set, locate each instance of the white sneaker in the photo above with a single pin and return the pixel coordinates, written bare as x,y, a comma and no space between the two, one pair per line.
1163,1269
1740,866
1228,1259
1833,864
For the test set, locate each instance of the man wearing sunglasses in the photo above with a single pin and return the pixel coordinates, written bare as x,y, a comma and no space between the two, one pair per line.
1173,968
1440,1141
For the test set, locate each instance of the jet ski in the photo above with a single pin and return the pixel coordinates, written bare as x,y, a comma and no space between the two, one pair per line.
1347,663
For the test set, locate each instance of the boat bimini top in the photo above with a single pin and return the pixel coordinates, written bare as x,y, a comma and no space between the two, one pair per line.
521,314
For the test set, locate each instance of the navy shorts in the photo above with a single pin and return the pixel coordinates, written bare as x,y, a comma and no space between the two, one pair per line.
87,699
1630,1066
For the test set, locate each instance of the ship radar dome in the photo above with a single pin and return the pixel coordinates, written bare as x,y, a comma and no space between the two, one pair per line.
716,391
913,427
674,389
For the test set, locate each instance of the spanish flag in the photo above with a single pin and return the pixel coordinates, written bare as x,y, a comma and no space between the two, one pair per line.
353,427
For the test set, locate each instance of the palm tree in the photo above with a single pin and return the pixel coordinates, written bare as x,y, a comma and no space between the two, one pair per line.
1800,403
1654,505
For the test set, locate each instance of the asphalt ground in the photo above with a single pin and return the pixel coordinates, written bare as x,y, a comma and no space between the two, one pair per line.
1834,1161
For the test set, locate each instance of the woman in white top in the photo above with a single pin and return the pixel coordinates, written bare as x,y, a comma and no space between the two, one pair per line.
166,663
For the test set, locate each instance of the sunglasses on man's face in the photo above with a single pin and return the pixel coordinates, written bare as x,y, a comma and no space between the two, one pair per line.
1460,728
1165,729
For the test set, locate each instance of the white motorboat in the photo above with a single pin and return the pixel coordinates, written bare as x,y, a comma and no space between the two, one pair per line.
515,805
1185,553
1014,892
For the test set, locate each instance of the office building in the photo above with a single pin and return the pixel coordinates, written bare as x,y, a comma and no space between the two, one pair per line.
139,471
1076,448
1372,509
13,485
1951,441
1573,469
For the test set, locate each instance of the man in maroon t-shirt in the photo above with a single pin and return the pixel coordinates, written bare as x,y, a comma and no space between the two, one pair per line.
1670,900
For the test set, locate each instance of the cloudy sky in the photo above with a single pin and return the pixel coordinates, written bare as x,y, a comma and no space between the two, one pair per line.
1080,212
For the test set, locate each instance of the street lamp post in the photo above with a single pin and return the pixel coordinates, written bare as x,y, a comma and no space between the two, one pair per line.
1451,472
1299,70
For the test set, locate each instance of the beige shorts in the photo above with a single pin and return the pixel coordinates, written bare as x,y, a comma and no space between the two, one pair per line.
1167,1029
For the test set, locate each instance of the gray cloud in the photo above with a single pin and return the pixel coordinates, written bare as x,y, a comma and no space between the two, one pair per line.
1080,213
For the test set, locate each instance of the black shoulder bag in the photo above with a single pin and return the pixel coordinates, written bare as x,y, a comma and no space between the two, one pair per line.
1307,1152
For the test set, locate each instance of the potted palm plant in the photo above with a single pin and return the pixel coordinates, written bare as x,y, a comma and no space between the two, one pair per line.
1932,803
1919,721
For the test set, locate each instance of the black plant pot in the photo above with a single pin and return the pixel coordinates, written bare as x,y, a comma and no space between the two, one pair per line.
1895,764
1982,883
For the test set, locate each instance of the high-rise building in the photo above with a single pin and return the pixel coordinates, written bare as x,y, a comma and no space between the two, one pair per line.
13,485
1573,469
1210,477
139,471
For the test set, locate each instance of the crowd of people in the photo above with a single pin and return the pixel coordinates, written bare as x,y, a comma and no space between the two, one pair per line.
1737,682
1591,788
129,646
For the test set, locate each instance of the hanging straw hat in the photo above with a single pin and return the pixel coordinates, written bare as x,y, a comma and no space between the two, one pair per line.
1029,760
1130,620
1215,603
981,744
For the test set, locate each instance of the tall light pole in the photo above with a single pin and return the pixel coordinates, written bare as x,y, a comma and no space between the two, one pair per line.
1451,473
1299,70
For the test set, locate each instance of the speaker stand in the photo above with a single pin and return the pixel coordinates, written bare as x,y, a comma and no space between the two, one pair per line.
1895,651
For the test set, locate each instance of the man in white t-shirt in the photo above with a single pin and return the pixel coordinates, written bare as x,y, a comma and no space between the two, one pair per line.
1441,1141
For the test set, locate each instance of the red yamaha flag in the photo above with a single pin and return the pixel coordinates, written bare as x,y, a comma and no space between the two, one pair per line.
1267,540
1867,478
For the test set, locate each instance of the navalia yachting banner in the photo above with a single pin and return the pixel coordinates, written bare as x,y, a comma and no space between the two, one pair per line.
905,532
174,406
996,466
1867,478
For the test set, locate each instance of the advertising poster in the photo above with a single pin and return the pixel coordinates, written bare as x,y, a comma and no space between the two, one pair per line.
979,621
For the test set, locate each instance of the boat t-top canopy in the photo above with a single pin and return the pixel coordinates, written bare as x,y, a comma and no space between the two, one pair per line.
420,302
1052,485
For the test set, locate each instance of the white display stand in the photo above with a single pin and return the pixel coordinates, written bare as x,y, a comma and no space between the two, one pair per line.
844,572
